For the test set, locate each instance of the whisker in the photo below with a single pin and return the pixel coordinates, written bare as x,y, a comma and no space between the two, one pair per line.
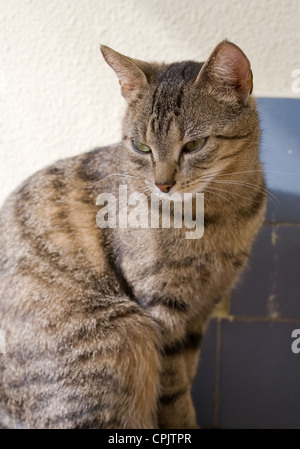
210,176
231,173
240,183
234,194
214,193
117,174
275,172
267,193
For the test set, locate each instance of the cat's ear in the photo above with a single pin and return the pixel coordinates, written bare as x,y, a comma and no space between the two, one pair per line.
228,70
131,72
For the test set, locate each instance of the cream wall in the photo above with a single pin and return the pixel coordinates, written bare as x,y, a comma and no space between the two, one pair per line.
57,96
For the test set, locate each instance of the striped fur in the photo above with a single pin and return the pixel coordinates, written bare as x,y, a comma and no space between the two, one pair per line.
104,326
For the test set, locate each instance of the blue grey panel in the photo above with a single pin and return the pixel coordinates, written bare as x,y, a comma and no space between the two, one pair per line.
280,151
250,294
260,374
270,287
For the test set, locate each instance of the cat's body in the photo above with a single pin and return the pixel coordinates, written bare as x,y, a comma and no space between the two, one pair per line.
103,326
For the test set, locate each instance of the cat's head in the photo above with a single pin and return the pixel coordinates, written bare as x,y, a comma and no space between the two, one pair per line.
187,122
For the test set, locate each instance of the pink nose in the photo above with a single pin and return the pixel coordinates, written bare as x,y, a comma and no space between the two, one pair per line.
164,187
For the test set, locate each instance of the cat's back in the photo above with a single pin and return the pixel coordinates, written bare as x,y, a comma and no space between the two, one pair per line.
51,250
49,238
52,210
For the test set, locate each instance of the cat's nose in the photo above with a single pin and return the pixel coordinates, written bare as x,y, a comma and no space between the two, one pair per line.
164,187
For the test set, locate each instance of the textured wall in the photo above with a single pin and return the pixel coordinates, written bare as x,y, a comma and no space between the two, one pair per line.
57,97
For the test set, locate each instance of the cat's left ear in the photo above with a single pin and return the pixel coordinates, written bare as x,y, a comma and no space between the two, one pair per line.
131,72
228,71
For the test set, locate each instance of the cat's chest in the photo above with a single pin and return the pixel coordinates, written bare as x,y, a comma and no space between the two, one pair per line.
153,259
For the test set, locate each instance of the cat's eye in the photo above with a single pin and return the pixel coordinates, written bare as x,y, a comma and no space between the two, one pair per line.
140,147
194,145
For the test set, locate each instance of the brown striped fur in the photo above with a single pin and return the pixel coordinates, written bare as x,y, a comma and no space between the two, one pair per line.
103,326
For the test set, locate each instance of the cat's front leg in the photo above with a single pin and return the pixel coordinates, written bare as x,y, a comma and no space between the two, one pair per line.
176,409
179,364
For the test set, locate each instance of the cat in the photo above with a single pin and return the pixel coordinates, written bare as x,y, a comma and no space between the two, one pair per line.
103,326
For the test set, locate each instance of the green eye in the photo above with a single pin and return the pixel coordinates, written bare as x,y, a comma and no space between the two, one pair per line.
194,145
140,147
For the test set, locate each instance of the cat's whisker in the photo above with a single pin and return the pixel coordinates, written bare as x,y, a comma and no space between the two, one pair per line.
214,193
239,183
228,182
139,186
117,174
255,187
144,190
211,178
233,194
209,175
258,171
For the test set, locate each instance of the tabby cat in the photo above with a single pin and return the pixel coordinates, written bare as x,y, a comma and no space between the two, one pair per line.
103,326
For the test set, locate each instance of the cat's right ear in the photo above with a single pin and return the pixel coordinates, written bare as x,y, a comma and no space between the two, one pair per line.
131,72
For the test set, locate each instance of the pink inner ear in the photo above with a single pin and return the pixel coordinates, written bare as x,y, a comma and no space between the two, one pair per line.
231,67
131,77
130,84
236,62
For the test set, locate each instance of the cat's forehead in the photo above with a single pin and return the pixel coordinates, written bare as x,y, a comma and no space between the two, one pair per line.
173,107
178,72
165,99
170,83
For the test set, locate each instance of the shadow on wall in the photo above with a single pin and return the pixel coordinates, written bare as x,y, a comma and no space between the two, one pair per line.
249,375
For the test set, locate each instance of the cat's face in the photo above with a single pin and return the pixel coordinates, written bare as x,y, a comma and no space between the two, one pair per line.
186,122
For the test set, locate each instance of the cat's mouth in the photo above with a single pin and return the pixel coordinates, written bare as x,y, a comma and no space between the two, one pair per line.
172,195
